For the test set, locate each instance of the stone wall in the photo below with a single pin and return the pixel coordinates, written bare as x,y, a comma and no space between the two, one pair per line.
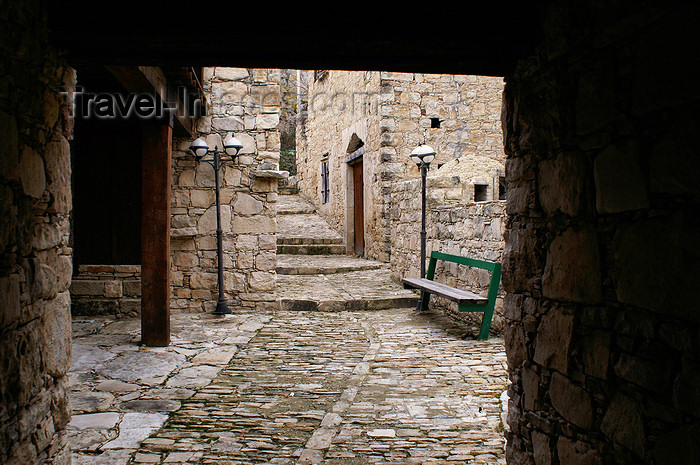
106,290
601,259
391,113
245,102
455,224
342,109
35,253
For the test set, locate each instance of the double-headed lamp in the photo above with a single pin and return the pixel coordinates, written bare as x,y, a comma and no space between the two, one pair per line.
423,154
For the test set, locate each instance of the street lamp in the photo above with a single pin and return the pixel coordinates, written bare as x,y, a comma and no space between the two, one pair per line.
200,149
422,156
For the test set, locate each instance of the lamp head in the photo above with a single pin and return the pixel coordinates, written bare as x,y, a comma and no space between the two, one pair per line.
199,147
423,154
232,145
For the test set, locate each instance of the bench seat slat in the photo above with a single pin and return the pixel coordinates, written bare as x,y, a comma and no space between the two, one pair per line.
458,295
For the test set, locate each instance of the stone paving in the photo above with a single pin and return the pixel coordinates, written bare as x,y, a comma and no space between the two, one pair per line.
288,387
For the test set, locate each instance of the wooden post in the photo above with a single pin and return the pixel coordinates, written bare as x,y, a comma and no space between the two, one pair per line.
155,235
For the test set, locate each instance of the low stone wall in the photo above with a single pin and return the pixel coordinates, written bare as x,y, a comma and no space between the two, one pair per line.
454,225
107,290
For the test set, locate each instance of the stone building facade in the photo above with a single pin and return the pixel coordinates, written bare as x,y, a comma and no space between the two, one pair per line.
245,102
360,128
371,121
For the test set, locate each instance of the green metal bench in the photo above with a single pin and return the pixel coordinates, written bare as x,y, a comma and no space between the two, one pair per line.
466,301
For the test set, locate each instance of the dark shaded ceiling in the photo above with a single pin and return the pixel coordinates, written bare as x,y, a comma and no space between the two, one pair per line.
484,38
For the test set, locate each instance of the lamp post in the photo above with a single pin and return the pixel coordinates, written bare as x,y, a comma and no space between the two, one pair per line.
200,149
422,156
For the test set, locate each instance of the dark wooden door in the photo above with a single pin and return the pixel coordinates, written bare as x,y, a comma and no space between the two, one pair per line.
359,207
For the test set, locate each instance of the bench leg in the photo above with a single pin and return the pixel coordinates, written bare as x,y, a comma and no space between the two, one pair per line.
486,324
423,302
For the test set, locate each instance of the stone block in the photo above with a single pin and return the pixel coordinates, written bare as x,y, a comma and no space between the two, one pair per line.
623,424
571,401
113,289
231,74
258,224
203,280
262,281
572,270
541,448
56,335
202,198
553,340
32,173
677,447
207,222
649,275
9,300
596,353
577,452
247,205
620,183
58,170
85,287
561,184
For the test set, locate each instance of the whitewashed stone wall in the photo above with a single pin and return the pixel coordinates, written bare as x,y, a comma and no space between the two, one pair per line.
35,254
468,110
245,102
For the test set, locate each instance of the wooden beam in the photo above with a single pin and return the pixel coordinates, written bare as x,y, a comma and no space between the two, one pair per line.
137,79
155,234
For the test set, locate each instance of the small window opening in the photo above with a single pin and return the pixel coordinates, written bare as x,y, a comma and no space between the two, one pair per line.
325,184
435,123
502,188
480,192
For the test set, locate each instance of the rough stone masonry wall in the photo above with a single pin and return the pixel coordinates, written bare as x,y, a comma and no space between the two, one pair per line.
601,259
35,256
106,290
245,102
468,107
455,224
342,106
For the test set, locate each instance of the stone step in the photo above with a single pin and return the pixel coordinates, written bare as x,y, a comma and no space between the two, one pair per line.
311,249
323,264
296,240
354,290
294,205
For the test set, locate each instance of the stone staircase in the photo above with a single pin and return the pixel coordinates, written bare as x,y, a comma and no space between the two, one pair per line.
314,273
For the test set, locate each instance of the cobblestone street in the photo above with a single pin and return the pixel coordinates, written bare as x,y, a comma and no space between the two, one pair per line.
388,386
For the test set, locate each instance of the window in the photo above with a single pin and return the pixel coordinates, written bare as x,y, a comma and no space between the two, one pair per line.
502,188
325,182
435,123
319,74
480,192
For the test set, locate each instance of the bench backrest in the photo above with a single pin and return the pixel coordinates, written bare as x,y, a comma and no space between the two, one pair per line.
493,267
